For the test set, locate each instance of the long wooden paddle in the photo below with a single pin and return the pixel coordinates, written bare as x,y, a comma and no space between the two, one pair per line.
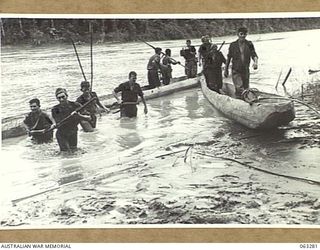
313,71
91,56
276,87
162,53
80,65
221,45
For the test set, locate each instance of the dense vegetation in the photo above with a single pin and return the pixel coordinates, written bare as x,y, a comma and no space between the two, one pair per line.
41,31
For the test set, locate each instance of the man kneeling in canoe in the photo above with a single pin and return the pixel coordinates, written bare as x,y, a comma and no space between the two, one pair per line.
130,91
91,109
36,122
67,119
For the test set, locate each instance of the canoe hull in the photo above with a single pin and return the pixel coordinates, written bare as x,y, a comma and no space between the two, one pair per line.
266,114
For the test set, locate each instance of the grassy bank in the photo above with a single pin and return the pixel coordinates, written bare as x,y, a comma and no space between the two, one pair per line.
310,93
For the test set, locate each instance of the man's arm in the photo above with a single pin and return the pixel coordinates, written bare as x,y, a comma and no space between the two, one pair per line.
115,91
145,105
199,57
79,115
223,59
26,124
140,93
102,106
99,103
253,55
174,62
255,63
116,96
226,69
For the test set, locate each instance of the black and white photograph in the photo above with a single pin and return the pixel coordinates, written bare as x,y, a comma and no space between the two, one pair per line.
172,120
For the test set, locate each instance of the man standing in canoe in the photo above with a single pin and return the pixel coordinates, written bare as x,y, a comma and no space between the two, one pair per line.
91,109
67,132
211,60
166,68
130,91
212,68
204,49
189,53
154,68
240,53
36,122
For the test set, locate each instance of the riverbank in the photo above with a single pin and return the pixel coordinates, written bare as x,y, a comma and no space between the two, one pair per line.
22,31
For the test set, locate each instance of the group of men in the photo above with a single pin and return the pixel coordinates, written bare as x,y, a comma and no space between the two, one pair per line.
66,115
211,59
160,64
240,54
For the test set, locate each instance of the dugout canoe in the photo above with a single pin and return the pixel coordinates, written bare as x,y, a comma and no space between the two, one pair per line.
177,84
12,126
266,113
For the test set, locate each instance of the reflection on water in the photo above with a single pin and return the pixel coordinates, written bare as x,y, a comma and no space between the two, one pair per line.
131,137
192,104
70,170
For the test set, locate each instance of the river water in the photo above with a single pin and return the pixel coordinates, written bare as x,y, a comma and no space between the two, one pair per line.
120,158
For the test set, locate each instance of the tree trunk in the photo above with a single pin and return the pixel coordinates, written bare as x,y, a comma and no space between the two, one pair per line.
103,31
52,23
20,25
1,28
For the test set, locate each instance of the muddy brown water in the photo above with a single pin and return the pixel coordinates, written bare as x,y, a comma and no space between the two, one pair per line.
126,172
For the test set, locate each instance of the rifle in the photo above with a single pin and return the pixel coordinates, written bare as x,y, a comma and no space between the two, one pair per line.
211,49
43,131
161,52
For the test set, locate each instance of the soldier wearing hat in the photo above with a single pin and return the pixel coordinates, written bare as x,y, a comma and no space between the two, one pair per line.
212,68
154,68
204,49
240,54
67,132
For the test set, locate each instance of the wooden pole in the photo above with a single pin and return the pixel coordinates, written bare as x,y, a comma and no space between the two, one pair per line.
80,65
91,54
2,29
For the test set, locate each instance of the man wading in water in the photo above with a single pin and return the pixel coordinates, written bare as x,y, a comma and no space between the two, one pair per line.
37,121
67,132
91,109
130,91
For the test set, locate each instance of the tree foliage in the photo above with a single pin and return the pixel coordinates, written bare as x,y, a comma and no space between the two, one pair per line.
15,31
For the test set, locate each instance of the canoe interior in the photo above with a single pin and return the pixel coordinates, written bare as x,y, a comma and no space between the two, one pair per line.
264,114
